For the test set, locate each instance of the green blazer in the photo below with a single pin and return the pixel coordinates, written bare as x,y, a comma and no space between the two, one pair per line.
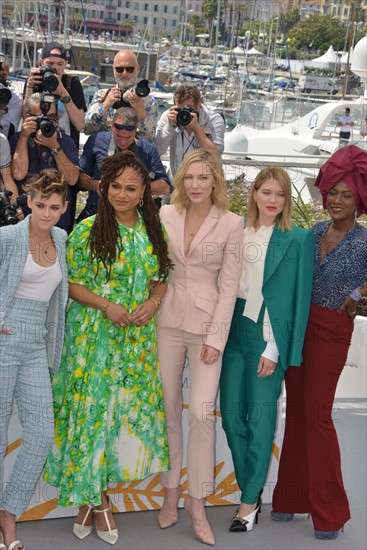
287,288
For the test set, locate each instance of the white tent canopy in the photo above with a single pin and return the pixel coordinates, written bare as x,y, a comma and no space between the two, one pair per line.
328,57
240,51
254,51
344,58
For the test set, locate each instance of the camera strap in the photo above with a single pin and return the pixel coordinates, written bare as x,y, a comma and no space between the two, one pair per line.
190,143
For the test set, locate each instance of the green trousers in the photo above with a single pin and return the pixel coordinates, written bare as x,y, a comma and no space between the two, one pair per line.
248,403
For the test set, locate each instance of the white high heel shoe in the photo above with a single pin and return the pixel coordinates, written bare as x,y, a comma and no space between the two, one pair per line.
111,535
15,543
81,530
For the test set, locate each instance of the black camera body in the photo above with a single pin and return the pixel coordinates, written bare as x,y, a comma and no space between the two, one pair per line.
49,81
141,89
5,95
184,115
8,210
44,122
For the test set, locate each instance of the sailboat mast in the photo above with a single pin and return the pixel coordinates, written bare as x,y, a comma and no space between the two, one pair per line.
349,48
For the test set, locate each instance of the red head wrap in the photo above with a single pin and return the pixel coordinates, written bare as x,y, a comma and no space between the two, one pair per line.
350,165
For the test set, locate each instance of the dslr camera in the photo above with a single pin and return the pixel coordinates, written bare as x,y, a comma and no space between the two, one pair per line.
49,80
8,210
141,89
184,115
44,122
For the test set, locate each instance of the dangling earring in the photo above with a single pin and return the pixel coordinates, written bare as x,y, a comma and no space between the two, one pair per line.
141,202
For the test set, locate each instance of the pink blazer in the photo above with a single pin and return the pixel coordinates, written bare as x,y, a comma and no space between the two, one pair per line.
202,288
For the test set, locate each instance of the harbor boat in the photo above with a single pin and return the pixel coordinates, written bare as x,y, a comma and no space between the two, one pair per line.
302,145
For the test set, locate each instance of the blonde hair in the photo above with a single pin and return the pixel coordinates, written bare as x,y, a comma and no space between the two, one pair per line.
282,177
219,193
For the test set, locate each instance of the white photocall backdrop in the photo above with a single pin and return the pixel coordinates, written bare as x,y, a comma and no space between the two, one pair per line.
148,494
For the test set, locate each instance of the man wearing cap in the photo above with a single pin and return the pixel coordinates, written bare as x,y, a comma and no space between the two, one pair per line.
71,103
100,111
10,102
345,123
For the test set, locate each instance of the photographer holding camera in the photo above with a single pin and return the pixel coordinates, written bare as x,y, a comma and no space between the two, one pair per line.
10,102
40,144
188,125
49,77
135,95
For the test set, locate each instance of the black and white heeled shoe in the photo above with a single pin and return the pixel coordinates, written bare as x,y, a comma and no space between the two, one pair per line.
246,523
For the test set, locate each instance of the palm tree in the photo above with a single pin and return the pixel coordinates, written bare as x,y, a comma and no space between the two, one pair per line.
209,10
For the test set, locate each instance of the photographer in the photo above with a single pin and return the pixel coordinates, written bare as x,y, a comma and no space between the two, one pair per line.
188,125
10,102
101,109
6,179
121,138
39,145
67,90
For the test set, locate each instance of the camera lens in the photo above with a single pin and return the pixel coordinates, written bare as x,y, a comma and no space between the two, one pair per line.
50,82
47,127
183,117
142,88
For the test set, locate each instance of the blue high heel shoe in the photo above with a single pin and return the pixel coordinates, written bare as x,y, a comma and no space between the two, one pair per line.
278,516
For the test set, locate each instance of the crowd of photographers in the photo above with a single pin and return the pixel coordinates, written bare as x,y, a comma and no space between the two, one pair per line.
42,130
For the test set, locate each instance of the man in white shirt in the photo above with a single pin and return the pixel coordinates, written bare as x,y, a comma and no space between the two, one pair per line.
345,123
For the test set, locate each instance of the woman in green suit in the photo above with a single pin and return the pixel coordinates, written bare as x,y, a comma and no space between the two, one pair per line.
266,335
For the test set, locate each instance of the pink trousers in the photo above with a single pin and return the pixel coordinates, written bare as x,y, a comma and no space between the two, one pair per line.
173,344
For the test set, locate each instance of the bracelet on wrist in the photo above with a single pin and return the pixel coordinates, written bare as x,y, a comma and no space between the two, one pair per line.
104,308
156,299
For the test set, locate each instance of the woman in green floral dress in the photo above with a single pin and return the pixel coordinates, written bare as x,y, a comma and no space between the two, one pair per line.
109,411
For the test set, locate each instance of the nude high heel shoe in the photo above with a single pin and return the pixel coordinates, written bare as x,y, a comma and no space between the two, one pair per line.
203,531
81,530
166,518
111,535
2,545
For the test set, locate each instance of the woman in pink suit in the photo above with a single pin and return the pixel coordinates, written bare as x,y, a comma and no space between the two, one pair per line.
205,246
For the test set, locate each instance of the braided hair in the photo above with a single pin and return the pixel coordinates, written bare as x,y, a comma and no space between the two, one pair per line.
104,240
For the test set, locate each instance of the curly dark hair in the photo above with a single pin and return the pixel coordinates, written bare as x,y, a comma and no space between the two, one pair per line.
104,240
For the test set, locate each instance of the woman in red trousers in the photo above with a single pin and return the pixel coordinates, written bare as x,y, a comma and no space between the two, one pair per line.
310,478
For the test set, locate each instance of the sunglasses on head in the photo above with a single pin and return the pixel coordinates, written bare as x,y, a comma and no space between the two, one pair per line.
122,69
128,127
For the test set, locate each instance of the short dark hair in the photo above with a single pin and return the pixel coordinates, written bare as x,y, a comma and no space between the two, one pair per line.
347,109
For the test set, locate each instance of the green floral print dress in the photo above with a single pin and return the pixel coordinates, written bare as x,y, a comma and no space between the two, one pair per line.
109,412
